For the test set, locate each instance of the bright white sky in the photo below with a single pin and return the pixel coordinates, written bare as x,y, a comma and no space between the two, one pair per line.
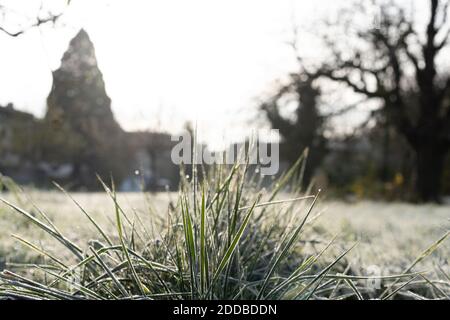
166,61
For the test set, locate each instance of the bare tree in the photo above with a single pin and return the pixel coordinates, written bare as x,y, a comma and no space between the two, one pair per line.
398,64
303,129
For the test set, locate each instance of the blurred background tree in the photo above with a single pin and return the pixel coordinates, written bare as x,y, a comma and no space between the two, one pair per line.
416,103
392,62
305,127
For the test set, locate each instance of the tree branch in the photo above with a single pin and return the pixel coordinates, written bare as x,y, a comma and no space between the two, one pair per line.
50,18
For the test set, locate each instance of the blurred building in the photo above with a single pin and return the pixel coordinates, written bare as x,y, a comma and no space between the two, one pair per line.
79,137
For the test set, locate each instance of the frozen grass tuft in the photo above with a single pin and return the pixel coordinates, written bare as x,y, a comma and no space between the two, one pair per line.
224,237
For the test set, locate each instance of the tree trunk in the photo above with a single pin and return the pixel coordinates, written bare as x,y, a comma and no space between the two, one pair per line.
429,169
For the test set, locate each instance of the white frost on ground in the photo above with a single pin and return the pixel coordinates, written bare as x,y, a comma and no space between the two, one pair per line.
390,235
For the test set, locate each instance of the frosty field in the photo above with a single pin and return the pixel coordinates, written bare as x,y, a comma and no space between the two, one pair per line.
389,235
